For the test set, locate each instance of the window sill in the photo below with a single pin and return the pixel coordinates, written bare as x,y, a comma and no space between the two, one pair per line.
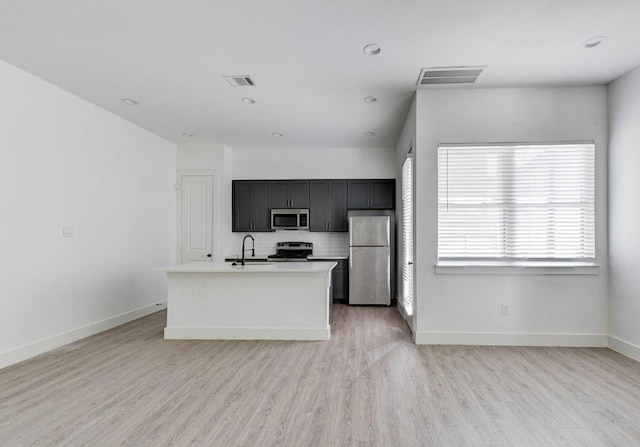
515,268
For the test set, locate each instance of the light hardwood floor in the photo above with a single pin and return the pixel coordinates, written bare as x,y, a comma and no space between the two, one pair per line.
368,386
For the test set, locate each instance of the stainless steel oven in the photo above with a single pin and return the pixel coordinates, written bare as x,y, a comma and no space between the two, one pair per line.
292,251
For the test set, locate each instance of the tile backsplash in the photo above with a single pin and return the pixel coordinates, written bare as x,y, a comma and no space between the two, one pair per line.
324,244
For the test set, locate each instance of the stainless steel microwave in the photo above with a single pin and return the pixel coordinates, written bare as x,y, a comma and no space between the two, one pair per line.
290,219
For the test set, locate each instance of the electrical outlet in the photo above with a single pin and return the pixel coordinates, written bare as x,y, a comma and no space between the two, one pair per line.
505,310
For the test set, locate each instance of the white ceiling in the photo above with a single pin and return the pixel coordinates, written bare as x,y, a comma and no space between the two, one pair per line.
306,58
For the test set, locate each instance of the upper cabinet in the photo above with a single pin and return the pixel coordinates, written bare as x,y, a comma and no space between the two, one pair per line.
290,194
328,205
327,201
371,194
251,205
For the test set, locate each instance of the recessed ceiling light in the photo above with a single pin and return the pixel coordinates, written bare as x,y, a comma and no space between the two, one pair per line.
188,135
372,49
129,101
370,99
277,134
369,134
594,41
248,101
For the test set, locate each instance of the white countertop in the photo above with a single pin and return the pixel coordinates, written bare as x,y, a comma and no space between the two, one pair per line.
324,258
274,267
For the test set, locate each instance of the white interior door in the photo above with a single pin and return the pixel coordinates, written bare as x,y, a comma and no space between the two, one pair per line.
196,218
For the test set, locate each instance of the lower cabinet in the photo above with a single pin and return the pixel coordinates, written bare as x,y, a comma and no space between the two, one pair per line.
339,279
339,283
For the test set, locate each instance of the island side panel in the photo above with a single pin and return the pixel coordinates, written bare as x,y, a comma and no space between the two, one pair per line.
252,305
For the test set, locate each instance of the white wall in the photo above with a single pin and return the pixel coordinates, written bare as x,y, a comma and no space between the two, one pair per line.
624,214
544,309
66,162
307,163
262,163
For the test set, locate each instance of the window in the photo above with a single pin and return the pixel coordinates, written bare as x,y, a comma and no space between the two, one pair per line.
518,202
407,236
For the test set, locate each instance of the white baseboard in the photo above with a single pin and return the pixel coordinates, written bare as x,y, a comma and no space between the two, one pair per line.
625,348
206,333
507,339
40,347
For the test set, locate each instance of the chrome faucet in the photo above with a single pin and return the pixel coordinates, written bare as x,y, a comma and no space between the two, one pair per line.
253,247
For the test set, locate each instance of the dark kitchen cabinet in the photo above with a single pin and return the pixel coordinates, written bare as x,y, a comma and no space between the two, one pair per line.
289,194
371,194
251,205
339,279
328,205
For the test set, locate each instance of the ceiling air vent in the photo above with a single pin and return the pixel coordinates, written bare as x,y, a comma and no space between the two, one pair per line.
449,75
240,81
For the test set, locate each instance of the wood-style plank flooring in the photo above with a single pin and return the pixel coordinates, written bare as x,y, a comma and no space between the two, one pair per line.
368,386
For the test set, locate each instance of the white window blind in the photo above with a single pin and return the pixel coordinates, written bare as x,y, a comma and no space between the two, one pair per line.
407,237
516,202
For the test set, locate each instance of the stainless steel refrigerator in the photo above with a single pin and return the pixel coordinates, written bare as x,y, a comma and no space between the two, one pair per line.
371,236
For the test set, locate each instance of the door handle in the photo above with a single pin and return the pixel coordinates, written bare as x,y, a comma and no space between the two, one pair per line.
208,255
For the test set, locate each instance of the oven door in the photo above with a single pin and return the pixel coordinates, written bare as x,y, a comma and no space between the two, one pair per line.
284,219
293,219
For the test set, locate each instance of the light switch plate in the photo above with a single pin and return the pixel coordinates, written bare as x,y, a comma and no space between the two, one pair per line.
67,231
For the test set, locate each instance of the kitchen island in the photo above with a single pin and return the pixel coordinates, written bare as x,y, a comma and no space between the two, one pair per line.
270,301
